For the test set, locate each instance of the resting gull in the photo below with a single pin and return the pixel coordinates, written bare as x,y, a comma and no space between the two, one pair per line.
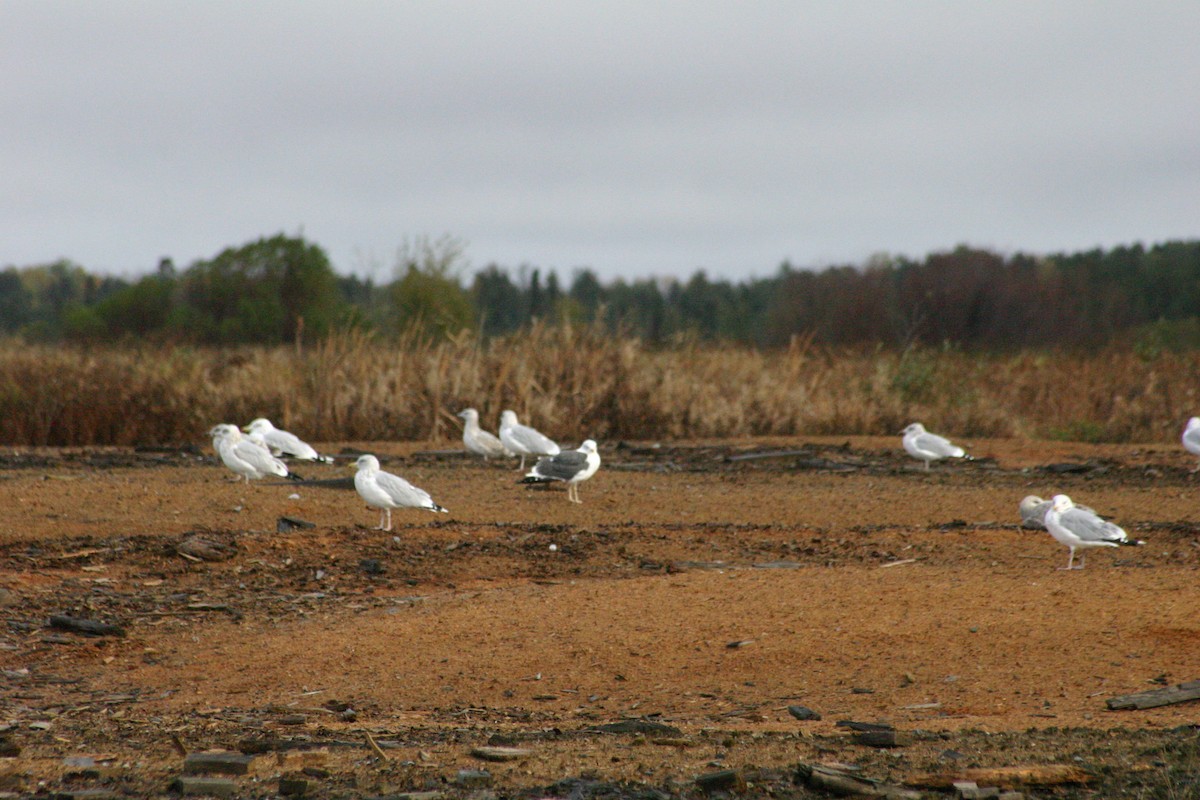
1033,511
386,491
926,446
572,466
477,439
1191,438
244,456
524,440
283,443
1079,529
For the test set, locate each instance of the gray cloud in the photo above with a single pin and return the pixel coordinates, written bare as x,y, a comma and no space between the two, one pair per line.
636,138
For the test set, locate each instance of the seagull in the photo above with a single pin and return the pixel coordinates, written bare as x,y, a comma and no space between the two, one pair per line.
386,491
572,466
1079,529
1033,511
284,443
523,440
477,439
244,456
926,446
1191,438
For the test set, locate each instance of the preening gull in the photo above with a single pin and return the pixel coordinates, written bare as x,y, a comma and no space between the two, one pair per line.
246,457
386,491
1033,511
926,446
477,439
1191,438
283,443
1080,529
524,440
572,466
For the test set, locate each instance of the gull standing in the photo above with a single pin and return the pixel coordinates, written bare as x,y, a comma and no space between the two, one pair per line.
572,466
524,440
926,446
1191,438
244,456
1079,529
477,439
1033,511
386,491
284,443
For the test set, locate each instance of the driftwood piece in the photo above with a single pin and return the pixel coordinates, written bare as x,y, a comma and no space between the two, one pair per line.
201,548
1004,777
494,753
642,726
1154,698
88,627
288,524
864,726
835,781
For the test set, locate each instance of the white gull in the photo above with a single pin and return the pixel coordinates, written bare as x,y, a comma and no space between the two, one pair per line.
571,466
524,440
1079,529
386,491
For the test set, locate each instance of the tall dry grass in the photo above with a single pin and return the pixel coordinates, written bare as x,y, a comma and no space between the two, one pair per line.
579,382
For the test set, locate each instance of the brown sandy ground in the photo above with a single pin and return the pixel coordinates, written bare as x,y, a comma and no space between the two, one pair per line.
691,589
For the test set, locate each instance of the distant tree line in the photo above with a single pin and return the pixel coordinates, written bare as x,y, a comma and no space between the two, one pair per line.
283,289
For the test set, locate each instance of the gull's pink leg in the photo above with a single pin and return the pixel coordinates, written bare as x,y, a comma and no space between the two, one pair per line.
1070,560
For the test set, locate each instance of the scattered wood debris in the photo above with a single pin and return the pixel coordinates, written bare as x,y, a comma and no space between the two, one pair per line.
88,627
1003,777
1154,698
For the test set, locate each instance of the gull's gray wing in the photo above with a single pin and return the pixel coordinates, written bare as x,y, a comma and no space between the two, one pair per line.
932,443
1089,527
402,492
562,467
532,440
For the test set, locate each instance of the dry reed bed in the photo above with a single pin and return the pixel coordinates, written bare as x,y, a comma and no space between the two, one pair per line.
574,383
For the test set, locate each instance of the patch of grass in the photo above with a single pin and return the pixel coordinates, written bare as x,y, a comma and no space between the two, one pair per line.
574,382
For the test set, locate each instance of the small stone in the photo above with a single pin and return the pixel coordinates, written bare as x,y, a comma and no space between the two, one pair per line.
293,786
214,787
500,753
725,780
220,762
803,713
473,778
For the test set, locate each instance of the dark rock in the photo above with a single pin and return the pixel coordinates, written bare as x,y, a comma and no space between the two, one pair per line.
803,713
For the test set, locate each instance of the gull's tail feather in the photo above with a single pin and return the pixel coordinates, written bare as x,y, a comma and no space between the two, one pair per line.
439,509
1132,542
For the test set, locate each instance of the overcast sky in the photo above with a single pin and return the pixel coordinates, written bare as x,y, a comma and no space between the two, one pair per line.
639,139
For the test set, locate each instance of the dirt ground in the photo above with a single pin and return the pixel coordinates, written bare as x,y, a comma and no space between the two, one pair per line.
699,592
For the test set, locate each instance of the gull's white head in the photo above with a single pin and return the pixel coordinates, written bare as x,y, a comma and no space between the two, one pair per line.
262,425
469,414
915,427
589,446
1029,504
1061,503
1192,423
224,429
508,417
367,462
